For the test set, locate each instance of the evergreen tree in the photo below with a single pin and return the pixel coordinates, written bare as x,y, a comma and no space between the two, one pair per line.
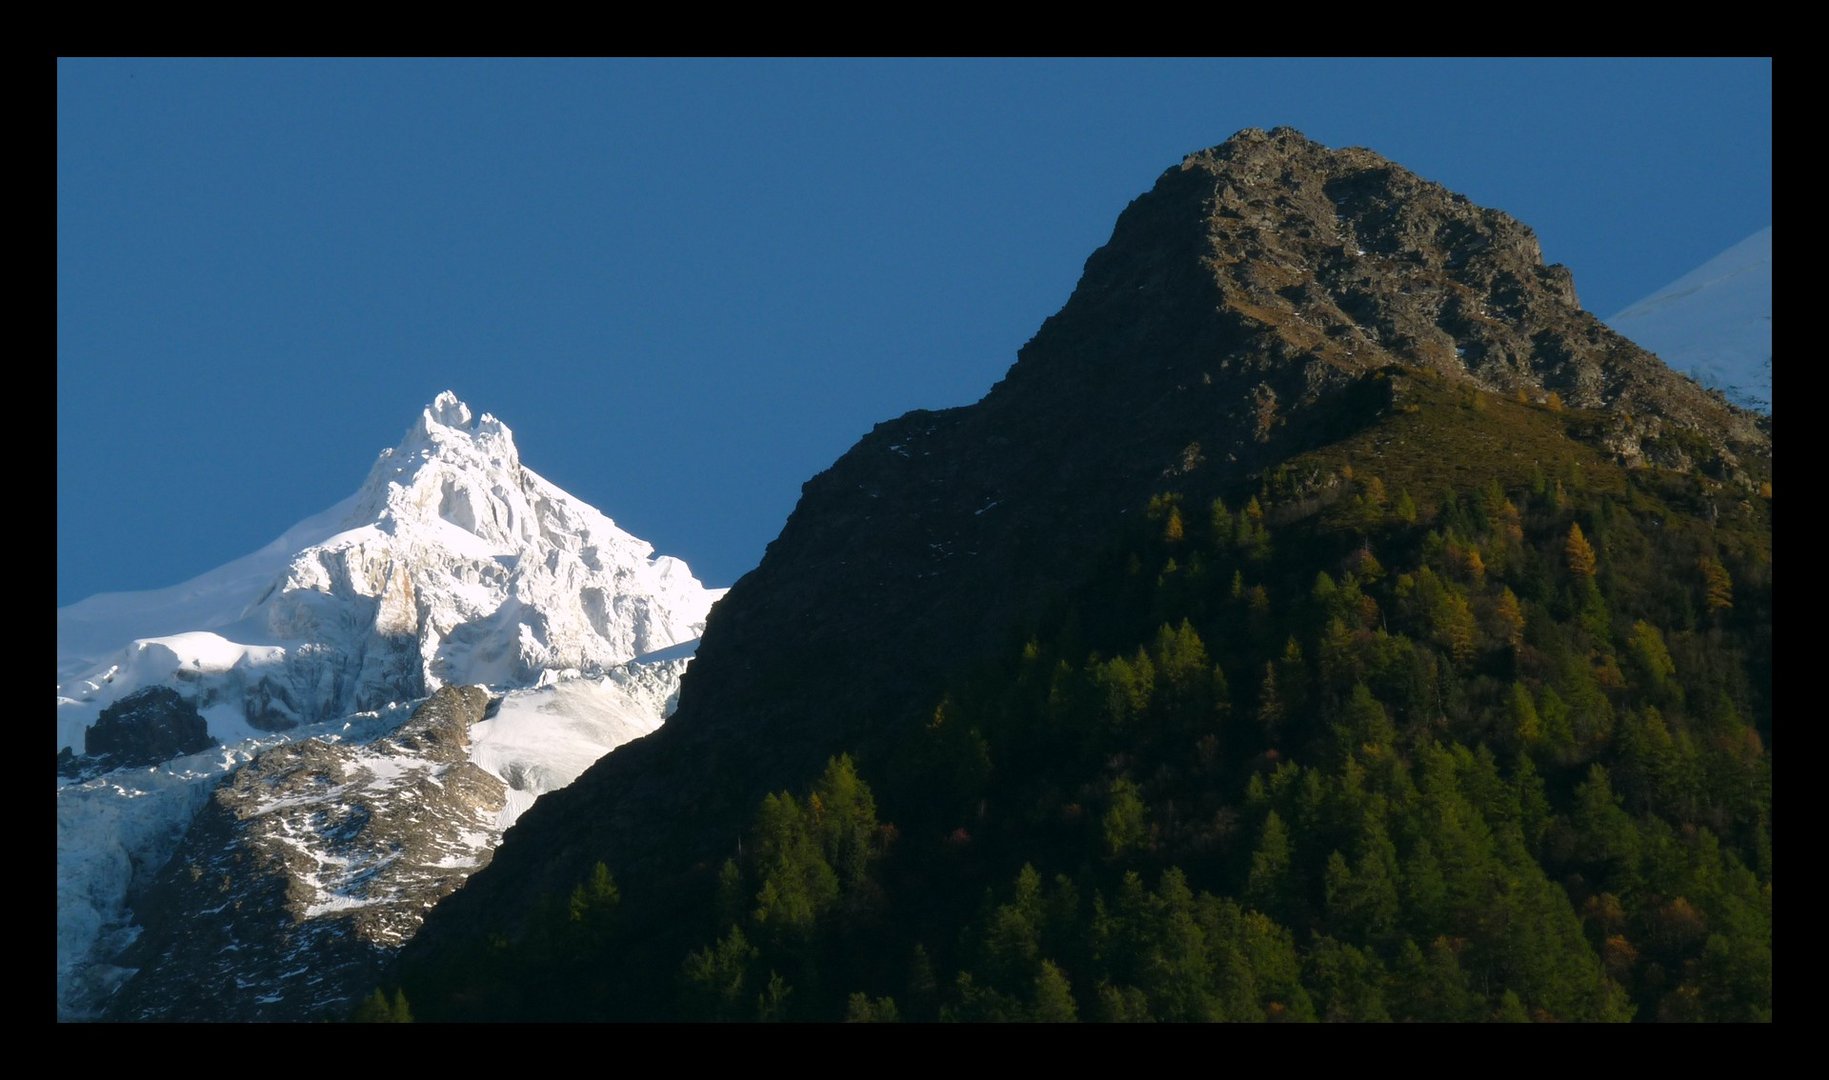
1362,900
1431,986
1219,521
1718,588
1509,615
1266,888
860,1009
1367,724
923,986
590,908
1405,508
1123,827
1526,728
772,1002
1054,996
1454,626
716,977
373,1009
797,882
1172,529
1348,982
1269,706
1579,553
1511,1009
1650,656
847,820
378,1008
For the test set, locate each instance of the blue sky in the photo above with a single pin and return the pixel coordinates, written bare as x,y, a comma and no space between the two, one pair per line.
690,285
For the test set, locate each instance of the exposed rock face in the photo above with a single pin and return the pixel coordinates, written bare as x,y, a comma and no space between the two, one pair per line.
146,727
309,867
1317,265
1255,303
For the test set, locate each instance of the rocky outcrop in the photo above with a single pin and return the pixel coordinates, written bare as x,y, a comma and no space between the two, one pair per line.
309,867
146,727
1328,264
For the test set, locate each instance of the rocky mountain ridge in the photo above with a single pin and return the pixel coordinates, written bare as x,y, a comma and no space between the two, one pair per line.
1267,296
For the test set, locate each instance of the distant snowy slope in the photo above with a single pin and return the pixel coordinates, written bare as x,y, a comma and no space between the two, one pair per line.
1715,322
90,630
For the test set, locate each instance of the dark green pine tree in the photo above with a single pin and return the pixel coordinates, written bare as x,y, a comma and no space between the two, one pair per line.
1267,886
1054,996
378,1008
846,820
373,1009
590,909
860,1009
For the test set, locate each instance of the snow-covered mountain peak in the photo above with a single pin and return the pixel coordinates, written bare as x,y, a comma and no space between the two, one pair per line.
453,563
447,411
448,430
444,467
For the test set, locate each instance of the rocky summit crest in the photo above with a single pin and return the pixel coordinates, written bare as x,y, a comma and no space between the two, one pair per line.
1284,269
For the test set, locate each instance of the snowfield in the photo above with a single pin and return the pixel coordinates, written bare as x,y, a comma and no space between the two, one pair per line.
542,739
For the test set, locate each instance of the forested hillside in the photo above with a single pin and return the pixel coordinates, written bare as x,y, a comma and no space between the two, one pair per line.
1450,719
